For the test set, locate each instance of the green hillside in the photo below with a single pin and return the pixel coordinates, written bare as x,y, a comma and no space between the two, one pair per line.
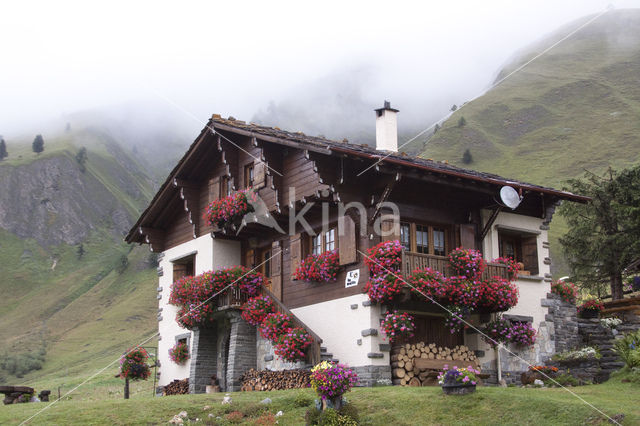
69,284
575,108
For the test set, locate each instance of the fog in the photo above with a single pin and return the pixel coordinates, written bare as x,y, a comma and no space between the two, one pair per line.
320,68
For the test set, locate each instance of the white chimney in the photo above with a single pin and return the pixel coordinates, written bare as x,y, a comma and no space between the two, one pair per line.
387,128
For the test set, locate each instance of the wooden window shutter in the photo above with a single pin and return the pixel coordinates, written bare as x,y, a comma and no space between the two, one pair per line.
468,236
214,189
347,241
530,254
179,270
295,252
390,227
276,269
259,174
250,258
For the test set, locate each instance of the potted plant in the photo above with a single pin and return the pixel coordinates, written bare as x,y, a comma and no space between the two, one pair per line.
331,381
323,267
179,353
590,308
458,381
566,290
397,324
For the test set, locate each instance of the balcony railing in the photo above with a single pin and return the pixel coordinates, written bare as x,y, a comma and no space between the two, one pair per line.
412,261
233,298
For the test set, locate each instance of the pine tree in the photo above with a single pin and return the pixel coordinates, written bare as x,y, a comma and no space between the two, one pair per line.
3,149
462,122
436,128
467,158
80,251
38,144
454,107
81,158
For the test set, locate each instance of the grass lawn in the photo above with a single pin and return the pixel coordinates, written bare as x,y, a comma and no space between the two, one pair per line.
376,406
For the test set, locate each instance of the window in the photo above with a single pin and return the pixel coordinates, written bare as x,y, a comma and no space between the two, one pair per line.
438,242
265,262
522,247
422,239
183,267
225,186
248,175
426,239
330,240
325,241
405,236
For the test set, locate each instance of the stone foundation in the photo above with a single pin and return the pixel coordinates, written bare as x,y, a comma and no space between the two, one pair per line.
564,317
368,375
203,359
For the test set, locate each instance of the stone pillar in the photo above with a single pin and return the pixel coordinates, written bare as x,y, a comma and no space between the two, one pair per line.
565,322
242,350
203,359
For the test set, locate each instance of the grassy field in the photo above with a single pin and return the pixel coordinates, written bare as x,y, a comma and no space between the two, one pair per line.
376,406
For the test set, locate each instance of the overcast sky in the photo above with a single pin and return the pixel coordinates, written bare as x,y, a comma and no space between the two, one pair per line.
235,57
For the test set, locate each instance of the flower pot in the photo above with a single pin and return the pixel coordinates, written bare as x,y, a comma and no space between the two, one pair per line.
336,403
458,389
589,313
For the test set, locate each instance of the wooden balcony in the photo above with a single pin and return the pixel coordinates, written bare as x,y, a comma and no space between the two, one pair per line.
412,261
232,299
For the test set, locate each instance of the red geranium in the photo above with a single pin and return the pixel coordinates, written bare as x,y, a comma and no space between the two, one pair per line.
467,262
230,208
566,290
591,305
291,344
396,325
274,325
512,265
133,364
256,309
179,353
384,257
319,267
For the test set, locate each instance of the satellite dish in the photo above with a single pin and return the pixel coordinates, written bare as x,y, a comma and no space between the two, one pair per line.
510,197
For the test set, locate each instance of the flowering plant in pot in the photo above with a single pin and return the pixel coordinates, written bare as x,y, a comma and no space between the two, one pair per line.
274,325
510,263
331,381
467,262
396,325
590,308
566,290
231,208
292,344
133,364
458,381
383,287
384,257
319,267
179,353
504,331
256,309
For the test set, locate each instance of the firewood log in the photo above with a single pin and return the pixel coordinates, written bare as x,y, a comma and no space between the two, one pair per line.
414,382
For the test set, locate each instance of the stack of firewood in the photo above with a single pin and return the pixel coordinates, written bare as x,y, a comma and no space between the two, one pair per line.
407,370
267,380
177,387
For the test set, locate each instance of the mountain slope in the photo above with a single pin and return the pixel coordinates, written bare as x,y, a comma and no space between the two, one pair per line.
573,109
69,282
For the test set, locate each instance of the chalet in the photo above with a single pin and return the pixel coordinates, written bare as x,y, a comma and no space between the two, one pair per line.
320,195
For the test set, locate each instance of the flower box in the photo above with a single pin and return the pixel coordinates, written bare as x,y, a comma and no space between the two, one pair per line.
458,389
589,313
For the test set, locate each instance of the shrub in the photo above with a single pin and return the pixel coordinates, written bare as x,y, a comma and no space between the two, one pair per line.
256,309
234,417
396,325
628,349
179,353
292,343
274,325
332,380
566,290
231,208
564,379
319,267
610,323
587,352
133,364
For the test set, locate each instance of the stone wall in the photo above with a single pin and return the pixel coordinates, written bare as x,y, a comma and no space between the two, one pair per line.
368,375
564,317
268,360
242,355
203,359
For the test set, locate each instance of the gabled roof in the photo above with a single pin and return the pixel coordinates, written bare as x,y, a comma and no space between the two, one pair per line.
329,147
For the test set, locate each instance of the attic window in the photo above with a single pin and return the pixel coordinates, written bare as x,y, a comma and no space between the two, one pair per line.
184,266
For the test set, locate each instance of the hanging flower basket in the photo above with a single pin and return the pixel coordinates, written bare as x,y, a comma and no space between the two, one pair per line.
396,325
230,209
323,267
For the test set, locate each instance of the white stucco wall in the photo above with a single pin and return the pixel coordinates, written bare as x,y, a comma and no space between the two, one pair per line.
340,328
210,254
532,289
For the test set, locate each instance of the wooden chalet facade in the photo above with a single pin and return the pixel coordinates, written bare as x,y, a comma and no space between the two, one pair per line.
441,207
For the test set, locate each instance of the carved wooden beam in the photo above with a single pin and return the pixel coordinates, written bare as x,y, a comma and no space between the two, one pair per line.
154,237
384,197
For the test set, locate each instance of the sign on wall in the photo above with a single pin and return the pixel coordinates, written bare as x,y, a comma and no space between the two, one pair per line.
352,278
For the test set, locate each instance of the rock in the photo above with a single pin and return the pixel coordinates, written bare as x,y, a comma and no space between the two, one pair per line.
176,420
538,382
227,400
279,414
503,383
206,408
182,414
266,401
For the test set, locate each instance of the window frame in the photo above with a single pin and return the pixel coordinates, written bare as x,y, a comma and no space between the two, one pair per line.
428,229
518,239
249,176
226,187
321,241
